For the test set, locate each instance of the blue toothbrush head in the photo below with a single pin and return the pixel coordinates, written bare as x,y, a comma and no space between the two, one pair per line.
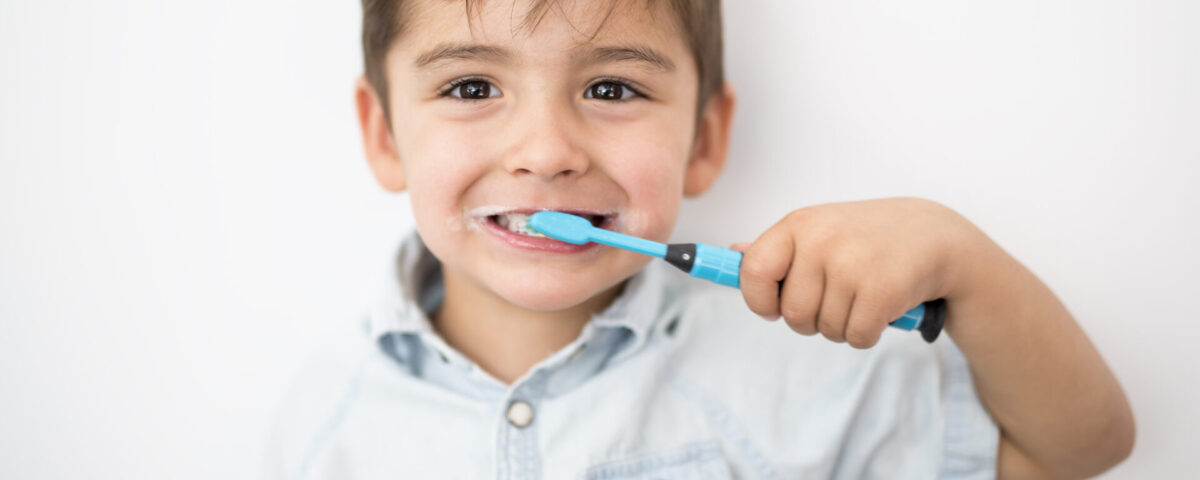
562,226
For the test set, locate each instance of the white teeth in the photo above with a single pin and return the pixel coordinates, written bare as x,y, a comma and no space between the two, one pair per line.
517,223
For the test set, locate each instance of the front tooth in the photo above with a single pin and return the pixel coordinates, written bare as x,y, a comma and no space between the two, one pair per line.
519,223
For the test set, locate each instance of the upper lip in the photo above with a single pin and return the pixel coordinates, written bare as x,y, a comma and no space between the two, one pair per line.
489,211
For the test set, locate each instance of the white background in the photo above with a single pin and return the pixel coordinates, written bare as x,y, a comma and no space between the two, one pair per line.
185,211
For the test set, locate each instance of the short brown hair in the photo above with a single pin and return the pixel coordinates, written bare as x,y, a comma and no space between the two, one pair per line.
700,21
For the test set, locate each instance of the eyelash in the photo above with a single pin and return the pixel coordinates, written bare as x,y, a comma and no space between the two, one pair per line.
458,82
637,92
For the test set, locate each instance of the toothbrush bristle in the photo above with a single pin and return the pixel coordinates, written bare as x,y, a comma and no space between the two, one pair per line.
525,228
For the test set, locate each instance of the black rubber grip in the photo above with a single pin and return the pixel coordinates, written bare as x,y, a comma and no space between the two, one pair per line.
681,255
934,319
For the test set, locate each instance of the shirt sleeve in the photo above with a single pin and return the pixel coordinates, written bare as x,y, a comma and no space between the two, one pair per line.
971,439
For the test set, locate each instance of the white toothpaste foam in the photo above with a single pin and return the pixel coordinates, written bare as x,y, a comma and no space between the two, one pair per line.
516,222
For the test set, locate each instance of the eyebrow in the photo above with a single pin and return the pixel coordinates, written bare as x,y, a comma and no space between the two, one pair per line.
631,53
462,52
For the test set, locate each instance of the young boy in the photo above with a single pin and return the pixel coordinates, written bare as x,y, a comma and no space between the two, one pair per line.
496,354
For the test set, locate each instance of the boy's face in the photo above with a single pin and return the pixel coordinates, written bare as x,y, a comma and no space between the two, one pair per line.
500,121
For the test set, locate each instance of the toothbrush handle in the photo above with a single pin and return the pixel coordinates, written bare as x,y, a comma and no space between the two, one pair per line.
721,265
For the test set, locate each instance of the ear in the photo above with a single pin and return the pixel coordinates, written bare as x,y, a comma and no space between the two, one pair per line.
378,143
712,143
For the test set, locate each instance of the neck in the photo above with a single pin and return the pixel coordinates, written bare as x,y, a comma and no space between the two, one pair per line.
506,340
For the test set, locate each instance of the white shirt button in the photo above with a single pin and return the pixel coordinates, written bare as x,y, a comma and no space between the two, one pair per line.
520,413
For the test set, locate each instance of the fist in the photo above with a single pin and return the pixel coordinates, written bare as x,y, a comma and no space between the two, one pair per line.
846,270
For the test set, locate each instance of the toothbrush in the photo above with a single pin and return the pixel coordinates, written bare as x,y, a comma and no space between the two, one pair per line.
715,264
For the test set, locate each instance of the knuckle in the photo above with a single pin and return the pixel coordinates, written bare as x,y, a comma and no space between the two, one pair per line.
793,306
879,293
798,215
820,234
803,328
760,307
795,313
830,240
754,296
791,313
860,338
800,325
830,331
756,267
762,312
845,264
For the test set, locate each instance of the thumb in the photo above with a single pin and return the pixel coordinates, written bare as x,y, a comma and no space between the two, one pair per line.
740,246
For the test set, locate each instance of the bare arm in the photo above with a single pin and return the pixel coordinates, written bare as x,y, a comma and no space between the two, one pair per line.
847,269
1061,412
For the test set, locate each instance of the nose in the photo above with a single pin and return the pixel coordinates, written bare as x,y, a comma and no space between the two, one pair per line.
546,144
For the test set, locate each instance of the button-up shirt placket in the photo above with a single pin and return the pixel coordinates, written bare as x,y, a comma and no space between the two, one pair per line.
517,449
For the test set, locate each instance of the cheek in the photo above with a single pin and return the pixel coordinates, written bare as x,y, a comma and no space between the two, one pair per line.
439,168
650,170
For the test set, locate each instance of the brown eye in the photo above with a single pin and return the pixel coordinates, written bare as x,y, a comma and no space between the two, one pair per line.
608,90
474,90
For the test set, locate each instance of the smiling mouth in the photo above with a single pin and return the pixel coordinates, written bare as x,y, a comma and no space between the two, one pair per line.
518,222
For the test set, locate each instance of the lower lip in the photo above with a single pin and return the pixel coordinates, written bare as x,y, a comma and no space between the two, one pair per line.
533,243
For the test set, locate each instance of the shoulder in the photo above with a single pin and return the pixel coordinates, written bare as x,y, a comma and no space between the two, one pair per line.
818,404
317,401
720,341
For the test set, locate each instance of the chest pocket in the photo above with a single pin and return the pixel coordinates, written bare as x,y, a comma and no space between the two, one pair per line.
700,460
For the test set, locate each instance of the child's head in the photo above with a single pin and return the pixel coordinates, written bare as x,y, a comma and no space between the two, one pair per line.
697,21
482,110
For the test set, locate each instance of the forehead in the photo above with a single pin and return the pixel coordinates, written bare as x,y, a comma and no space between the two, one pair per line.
542,29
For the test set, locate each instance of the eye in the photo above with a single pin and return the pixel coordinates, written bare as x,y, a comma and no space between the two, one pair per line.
471,89
612,90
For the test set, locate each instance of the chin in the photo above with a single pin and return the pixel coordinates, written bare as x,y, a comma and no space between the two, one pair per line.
547,294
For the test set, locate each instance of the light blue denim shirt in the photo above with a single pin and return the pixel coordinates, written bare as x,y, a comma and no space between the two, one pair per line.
677,379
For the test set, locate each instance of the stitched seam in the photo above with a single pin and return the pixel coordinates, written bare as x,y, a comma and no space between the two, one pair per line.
693,452
720,418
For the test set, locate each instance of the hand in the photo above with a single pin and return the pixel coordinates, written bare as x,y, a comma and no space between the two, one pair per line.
846,270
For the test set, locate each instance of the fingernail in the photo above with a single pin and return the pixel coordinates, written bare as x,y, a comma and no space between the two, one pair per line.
770,318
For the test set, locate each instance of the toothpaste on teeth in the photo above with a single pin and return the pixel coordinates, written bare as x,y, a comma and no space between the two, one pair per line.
518,223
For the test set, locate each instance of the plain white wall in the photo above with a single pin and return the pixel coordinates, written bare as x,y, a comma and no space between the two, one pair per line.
185,211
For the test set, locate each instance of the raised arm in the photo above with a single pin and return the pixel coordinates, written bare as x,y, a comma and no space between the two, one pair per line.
1061,412
845,270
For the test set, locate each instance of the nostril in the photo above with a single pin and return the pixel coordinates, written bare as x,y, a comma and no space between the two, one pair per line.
560,173
549,173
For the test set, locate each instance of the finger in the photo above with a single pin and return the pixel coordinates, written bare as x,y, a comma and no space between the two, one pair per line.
740,246
835,310
871,312
801,296
764,264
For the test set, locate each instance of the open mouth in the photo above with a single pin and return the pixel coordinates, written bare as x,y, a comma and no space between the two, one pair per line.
519,222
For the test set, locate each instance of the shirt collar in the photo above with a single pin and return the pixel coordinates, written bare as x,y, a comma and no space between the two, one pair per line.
413,286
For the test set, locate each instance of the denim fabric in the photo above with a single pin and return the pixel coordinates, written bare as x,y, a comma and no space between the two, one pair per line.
675,380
